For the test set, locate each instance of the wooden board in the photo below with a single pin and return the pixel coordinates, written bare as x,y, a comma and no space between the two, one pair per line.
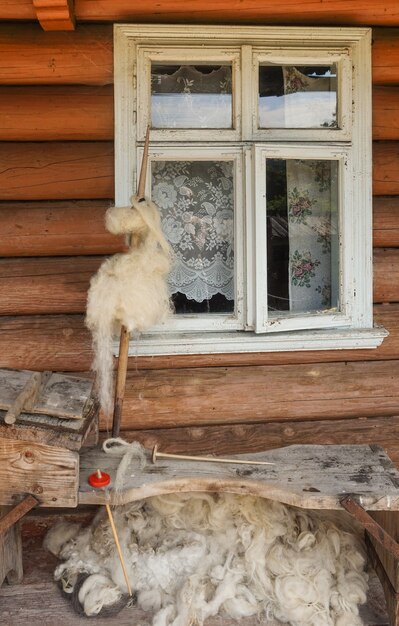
62,343
47,113
312,477
49,473
59,396
56,171
28,55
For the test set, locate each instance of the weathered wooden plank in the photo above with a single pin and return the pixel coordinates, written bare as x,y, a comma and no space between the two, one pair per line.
77,227
386,275
313,477
11,555
59,228
385,56
28,55
47,113
390,522
386,222
386,113
48,473
217,395
47,171
61,343
46,285
386,168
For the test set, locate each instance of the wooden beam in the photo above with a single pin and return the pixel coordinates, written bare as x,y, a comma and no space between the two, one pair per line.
56,113
325,12
62,343
386,168
56,171
57,228
386,222
55,14
386,275
200,397
386,113
30,56
385,56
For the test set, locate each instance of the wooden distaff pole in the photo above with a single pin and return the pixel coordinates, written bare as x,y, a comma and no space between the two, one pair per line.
125,335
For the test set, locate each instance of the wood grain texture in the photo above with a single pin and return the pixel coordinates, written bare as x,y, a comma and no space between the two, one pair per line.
391,597
228,395
390,522
386,222
55,14
311,477
385,56
386,168
58,228
62,343
61,228
46,285
11,555
29,56
54,112
47,171
386,275
84,170
50,474
253,11
386,113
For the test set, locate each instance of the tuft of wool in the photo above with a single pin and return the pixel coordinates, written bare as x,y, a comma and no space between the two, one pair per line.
129,289
194,556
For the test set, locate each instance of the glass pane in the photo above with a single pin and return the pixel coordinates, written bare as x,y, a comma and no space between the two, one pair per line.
191,96
196,201
302,235
297,97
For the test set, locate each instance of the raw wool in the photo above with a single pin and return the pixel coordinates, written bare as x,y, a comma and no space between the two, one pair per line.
193,556
129,289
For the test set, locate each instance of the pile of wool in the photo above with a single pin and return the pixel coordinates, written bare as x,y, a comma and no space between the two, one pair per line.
129,289
193,556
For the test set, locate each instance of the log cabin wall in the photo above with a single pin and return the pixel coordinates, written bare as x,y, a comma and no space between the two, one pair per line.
56,181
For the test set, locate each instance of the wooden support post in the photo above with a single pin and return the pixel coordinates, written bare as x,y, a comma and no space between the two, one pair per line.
120,380
10,540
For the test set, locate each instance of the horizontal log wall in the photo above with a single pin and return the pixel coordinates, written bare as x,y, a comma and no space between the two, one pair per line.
56,181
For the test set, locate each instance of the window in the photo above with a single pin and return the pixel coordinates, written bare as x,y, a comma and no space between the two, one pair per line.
260,164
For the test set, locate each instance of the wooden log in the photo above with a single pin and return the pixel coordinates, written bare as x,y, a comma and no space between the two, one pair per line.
77,227
20,10
62,343
385,56
56,171
195,396
46,285
386,275
386,222
43,113
28,55
47,113
247,438
386,168
57,229
48,473
246,11
386,113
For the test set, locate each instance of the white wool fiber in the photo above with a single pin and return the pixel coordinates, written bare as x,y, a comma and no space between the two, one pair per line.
128,452
193,556
129,289
58,535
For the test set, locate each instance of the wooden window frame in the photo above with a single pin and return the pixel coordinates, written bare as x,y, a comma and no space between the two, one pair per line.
245,47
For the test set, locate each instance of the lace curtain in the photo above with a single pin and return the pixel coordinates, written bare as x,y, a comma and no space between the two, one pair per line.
196,201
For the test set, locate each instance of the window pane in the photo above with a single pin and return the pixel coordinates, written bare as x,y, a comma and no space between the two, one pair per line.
297,97
196,201
302,235
191,96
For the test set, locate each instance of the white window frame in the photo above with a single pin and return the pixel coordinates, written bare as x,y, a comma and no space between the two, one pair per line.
246,47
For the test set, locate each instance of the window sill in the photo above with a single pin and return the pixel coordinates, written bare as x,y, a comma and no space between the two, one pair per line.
159,343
